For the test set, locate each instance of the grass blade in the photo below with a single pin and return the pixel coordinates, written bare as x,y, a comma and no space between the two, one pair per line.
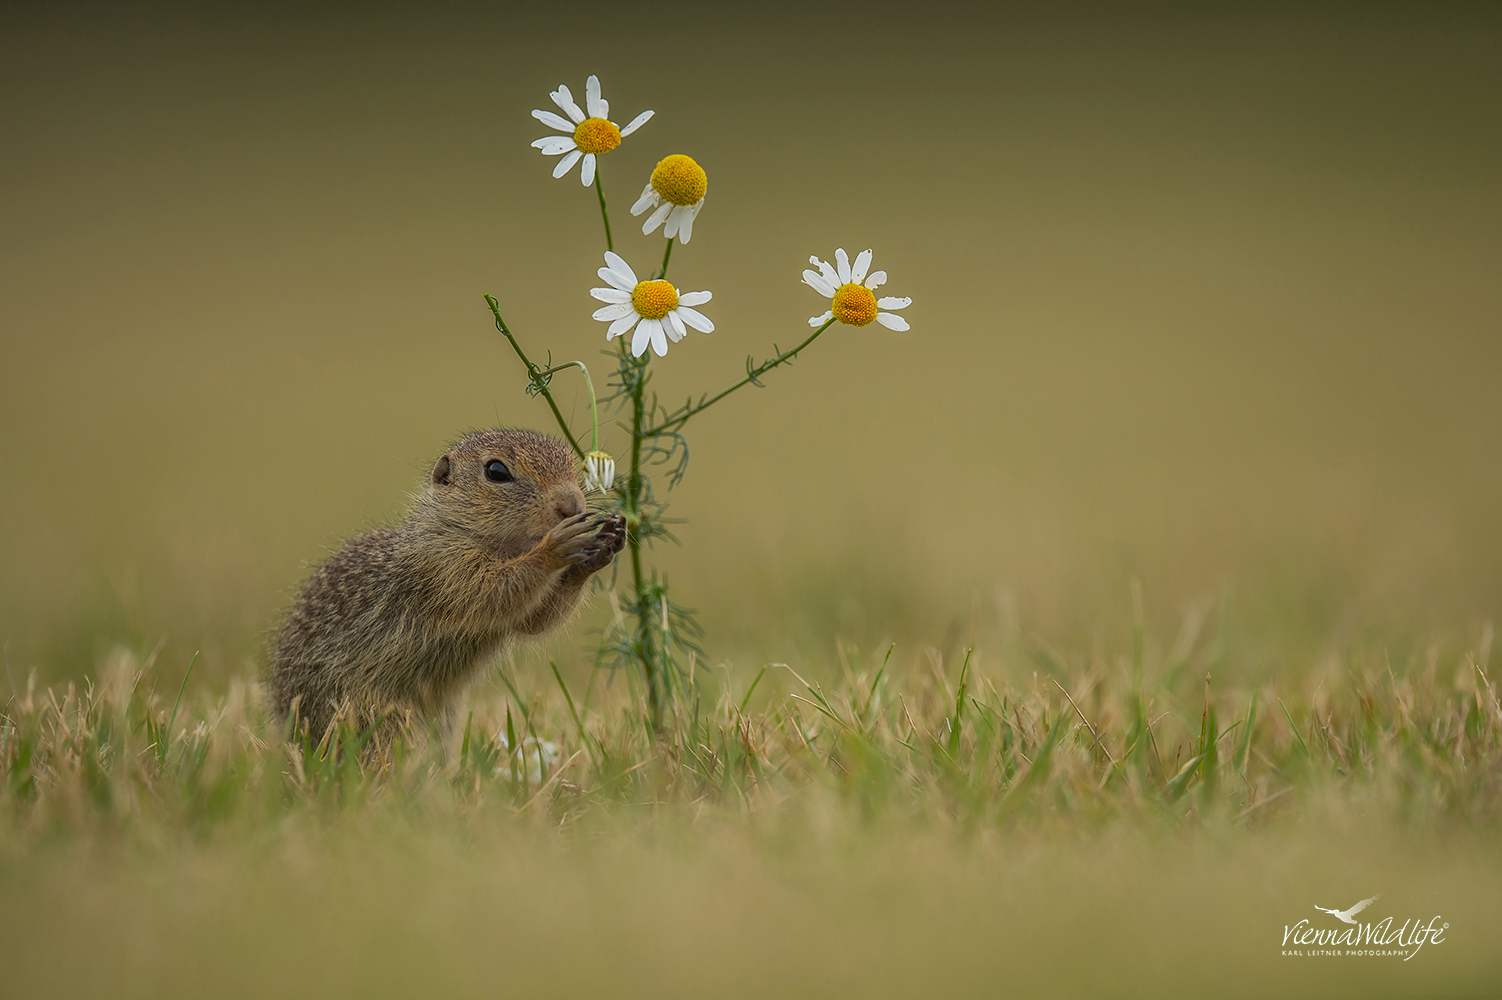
1246,737
1294,726
746,700
578,723
166,742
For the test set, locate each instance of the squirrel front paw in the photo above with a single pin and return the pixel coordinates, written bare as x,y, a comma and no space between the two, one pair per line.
570,542
609,540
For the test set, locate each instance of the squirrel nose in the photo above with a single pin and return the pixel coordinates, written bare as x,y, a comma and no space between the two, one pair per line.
567,507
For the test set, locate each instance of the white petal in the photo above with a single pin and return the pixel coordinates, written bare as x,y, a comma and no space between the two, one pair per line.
611,313
618,264
860,267
842,265
676,330
876,279
610,294
552,145
621,325
641,338
605,109
617,283
567,163
637,123
659,338
694,298
554,121
592,97
565,100
649,199
893,302
599,472
686,226
675,219
587,170
695,318
818,284
892,321
656,218
820,320
830,274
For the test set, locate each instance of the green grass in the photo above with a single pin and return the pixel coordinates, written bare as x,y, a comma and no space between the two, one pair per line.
1113,821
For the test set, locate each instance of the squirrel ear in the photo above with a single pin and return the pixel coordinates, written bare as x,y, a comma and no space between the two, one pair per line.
441,472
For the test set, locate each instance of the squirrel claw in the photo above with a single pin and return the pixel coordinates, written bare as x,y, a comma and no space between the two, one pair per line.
609,539
589,540
570,538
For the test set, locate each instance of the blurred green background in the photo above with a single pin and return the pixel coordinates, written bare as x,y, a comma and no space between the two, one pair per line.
1203,299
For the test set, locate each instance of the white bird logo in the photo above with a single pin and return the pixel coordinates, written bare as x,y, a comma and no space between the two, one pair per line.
1346,915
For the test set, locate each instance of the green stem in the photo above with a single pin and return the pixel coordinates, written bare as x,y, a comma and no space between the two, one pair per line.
533,373
633,540
666,254
752,374
594,410
600,190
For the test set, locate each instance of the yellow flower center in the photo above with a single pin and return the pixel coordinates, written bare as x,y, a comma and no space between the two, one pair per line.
655,299
596,135
680,180
854,304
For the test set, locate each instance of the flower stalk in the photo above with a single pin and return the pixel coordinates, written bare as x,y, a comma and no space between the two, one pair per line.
667,255
604,214
753,376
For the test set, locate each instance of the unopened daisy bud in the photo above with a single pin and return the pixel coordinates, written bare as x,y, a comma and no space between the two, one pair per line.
599,471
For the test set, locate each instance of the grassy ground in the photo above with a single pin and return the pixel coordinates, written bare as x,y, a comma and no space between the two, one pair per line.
1113,822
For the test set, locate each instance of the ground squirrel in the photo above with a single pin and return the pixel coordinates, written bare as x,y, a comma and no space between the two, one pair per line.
499,543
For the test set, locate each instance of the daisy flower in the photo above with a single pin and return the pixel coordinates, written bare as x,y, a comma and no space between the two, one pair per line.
599,471
587,137
658,311
851,289
537,757
674,194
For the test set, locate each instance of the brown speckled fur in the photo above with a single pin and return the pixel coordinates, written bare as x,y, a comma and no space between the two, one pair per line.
397,622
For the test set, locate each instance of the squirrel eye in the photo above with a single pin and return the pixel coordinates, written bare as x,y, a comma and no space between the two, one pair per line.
497,472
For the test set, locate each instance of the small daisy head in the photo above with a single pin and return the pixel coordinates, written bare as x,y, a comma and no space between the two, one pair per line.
851,289
597,135
854,305
599,471
680,180
586,136
658,312
674,196
654,299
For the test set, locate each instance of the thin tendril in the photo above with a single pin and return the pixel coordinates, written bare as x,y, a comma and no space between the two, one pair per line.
533,374
594,411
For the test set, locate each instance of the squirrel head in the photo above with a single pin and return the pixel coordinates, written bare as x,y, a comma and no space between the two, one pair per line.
504,487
